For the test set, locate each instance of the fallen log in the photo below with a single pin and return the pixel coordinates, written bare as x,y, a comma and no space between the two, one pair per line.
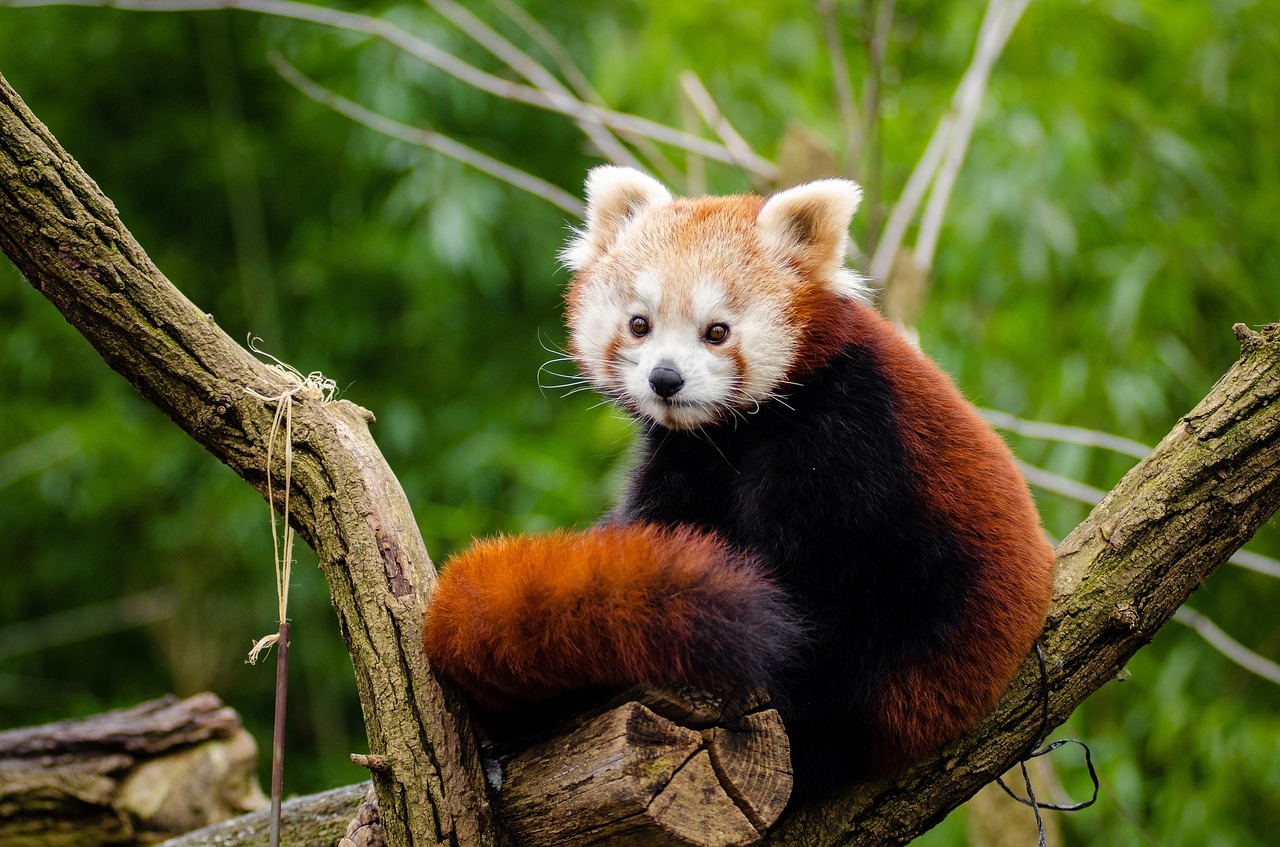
130,776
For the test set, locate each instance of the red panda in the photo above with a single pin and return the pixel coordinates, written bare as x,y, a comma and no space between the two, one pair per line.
814,507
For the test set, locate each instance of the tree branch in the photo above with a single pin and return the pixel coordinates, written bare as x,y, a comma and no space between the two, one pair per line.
697,95
69,242
944,153
561,102
430,139
538,76
314,820
840,77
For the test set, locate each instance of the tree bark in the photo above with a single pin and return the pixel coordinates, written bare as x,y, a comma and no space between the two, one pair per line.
127,777
69,242
316,820
1203,491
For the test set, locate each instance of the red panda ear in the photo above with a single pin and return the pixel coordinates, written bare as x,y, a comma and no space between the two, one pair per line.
614,197
809,224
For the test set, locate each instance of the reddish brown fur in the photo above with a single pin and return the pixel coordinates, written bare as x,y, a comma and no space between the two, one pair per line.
516,621
969,483
826,324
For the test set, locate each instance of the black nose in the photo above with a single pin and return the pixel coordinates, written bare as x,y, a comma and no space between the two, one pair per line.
665,381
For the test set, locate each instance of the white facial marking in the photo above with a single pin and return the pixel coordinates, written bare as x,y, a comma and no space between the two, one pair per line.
677,315
708,301
648,291
684,265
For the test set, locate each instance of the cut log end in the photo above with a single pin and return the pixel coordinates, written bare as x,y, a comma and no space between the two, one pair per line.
665,768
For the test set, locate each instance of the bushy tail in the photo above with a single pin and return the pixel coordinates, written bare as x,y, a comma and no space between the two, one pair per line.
516,621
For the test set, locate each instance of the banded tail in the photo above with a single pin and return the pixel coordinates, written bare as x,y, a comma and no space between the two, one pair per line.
517,621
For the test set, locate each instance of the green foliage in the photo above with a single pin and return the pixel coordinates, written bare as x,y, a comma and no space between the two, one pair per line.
1114,217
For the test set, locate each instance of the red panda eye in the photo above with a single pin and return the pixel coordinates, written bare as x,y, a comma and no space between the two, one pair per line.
716,333
639,326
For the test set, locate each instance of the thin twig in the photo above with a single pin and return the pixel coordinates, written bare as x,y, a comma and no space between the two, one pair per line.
1066,434
1077,491
427,138
870,165
38,454
277,735
840,76
1228,646
568,105
80,624
1001,17
250,246
1257,563
943,142
879,45
701,99
695,167
540,35
529,68
904,210
1058,484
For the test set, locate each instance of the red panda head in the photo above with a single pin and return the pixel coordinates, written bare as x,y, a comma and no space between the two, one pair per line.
687,311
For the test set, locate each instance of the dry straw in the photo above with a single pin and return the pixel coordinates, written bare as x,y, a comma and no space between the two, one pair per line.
313,386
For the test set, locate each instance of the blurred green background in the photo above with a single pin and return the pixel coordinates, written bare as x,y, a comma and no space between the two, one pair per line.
1116,214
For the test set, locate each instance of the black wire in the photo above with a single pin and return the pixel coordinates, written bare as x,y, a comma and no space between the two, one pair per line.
1032,753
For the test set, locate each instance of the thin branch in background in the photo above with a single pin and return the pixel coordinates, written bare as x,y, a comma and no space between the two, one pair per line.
997,25
1086,494
1228,646
695,167
656,159
582,86
1257,563
870,166
697,95
1065,434
258,290
529,68
550,45
878,47
75,625
904,210
38,454
945,143
841,77
565,104
427,138
1058,484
